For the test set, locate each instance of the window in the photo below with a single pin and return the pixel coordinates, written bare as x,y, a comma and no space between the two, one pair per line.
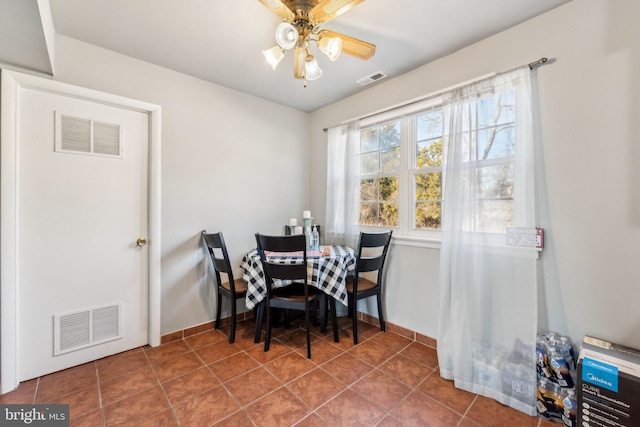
401,165
380,165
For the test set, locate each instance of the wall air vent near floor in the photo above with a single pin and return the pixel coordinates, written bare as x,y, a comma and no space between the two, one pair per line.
87,136
86,328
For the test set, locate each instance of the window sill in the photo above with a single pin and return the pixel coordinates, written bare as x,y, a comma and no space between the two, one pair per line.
417,242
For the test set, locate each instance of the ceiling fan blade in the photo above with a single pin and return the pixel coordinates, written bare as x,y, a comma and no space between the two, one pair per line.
352,46
299,56
326,10
279,8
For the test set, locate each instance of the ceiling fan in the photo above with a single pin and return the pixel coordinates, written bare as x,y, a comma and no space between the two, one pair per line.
302,20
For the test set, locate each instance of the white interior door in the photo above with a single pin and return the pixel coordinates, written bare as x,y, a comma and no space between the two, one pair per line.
83,289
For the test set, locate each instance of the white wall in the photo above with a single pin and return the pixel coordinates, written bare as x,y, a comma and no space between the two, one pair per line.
589,197
230,162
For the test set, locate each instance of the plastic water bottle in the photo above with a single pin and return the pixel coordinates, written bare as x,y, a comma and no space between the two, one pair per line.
569,415
315,239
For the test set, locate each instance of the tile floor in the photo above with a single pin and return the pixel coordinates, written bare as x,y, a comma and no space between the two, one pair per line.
202,380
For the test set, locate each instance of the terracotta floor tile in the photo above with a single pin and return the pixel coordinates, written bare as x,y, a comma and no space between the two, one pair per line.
350,409
392,341
90,419
421,353
25,393
382,390
372,352
466,422
120,364
62,385
367,330
405,370
321,351
298,339
166,351
238,419
252,386
245,333
276,349
218,351
163,419
206,408
491,413
80,402
176,367
233,366
312,420
446,393
545,423
347,368
316,387
290,366
280,408
389,421
195,382
206,338
420,410
89,365
127,385
136,408
346,339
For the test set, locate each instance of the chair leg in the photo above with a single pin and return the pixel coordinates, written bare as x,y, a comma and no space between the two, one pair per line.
267,336
259,318
307,325
218,310
354,319
380,313
323,312
232,333
334,319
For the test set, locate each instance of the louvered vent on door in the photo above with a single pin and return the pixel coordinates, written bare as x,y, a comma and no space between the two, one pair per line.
86,328
87,136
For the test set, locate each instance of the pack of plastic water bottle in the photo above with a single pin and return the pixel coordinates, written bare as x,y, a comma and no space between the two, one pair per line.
556,369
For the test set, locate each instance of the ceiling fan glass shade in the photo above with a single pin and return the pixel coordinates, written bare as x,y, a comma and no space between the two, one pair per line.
311,68
274,56
286,35
351,46
330,46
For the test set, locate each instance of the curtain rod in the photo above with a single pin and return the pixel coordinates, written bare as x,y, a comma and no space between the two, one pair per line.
531,66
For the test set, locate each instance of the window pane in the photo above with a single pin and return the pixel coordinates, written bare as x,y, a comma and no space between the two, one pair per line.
429,126
429,153
390,160
495,182
369,140
369,190
496,142
389,188
368,213
390,135
370,163
388,215
428,215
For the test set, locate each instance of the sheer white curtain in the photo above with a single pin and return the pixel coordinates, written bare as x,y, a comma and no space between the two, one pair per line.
488,306
343,187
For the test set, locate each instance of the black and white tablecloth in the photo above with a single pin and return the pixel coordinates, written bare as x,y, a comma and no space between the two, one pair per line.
324,272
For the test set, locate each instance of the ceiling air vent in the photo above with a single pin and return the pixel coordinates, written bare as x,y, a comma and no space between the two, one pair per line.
371,78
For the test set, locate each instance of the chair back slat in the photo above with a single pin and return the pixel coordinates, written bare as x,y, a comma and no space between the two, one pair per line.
364,263
221,264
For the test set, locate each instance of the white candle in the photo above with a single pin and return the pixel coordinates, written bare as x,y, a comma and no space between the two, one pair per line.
306,214
293,222
298,230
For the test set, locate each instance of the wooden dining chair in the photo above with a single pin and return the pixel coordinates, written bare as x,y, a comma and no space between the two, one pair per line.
233,289
359,287
298,295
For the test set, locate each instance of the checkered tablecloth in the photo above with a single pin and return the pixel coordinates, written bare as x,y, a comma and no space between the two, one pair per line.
324,272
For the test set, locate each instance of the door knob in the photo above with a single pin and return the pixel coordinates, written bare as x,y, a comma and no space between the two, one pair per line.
141,241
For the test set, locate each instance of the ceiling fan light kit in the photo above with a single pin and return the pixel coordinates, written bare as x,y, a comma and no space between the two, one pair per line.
301,24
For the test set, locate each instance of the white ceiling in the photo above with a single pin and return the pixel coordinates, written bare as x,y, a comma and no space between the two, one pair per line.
221,41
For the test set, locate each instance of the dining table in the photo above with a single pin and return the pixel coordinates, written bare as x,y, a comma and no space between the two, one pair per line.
327,269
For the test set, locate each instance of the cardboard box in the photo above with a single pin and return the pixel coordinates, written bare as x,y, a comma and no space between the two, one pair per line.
608,385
